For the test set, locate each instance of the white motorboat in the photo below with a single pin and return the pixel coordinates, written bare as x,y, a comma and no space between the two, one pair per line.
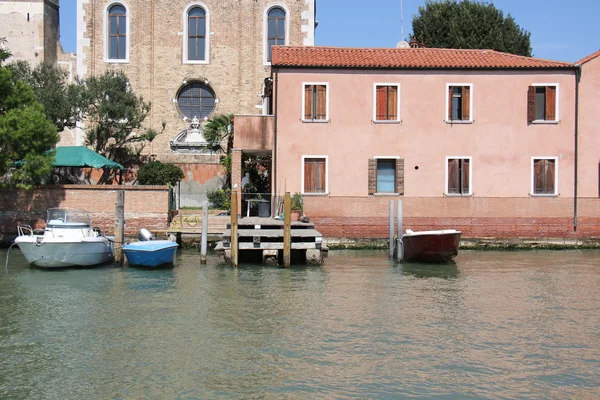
68,240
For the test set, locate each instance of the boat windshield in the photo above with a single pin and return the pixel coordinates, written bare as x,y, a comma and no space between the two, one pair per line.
68,216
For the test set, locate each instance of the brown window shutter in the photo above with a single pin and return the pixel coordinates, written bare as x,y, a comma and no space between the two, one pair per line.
319,171
392,106
372,175
321,102
549,176
308,102
531,104
400,176
465,173
450,103
551,103
466,103
309,182
538,176
453,175
381,101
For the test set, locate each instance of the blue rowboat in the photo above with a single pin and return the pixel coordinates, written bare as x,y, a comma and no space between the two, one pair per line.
151,253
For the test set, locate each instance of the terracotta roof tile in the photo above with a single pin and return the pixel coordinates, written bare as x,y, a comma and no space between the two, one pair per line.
588,58
340,57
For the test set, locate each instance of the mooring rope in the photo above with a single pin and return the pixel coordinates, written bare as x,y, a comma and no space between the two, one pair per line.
8,254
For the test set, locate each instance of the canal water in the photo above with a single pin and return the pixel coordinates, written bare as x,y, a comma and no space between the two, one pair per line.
493,325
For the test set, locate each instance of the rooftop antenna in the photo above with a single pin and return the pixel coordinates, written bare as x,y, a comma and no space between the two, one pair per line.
402,44
401,22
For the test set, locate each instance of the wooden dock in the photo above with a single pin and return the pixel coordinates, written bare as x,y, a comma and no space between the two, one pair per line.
264,237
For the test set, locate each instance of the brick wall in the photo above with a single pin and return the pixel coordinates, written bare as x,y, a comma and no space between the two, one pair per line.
533,217
145,206
235,69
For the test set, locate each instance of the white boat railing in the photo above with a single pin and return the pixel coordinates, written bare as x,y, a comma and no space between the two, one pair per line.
24,230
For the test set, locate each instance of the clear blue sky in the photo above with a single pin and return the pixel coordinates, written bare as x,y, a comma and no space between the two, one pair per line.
565,30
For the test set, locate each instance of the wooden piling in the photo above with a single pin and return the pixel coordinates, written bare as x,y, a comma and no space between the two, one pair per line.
392,241
399,245
204,233
234,228
287,230
119,227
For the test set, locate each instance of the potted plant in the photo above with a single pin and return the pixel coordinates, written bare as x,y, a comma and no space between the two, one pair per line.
297,206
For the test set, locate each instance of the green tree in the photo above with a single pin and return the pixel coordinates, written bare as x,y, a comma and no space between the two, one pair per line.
27,137
157,173
216,130
115,115
61,100
469,25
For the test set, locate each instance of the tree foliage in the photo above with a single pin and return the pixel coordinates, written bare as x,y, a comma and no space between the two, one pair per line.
157,173
61,100
218,132
469,25
115,115
27,137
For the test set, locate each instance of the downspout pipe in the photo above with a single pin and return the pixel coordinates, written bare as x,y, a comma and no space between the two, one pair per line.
576,147
276,102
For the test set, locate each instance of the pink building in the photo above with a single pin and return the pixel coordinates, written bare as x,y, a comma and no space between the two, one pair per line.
476,140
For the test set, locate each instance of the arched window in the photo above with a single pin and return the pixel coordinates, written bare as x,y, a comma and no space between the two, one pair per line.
117,32
275,29
196,99
196,34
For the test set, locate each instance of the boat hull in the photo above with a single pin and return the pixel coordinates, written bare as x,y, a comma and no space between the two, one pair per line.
431,246
151,253
41,252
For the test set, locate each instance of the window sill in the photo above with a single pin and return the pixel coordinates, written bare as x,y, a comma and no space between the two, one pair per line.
386,121
195,62
116,61
458,122
544,122
315,121
386,194
458,195
315,194
543,195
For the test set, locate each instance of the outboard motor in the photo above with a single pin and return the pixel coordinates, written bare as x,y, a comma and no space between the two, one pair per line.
145,235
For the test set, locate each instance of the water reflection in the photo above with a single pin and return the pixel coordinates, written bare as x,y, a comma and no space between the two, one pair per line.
492,325
447,270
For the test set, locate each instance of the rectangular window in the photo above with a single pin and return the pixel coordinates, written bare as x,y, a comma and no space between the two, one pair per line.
315,174
459,102
545,175
386,175
542,103
315,102
458,172
387,102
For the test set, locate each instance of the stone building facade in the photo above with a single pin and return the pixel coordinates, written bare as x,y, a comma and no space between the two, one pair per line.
31,29
190,59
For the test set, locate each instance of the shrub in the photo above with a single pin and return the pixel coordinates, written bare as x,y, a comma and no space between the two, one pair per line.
219,198
297,202
157,173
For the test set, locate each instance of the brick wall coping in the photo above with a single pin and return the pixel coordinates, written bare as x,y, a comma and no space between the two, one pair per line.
99,187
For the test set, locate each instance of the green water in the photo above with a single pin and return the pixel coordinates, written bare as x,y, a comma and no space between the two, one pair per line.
493,325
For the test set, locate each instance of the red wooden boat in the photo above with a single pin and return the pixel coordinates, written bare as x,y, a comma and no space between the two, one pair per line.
430,246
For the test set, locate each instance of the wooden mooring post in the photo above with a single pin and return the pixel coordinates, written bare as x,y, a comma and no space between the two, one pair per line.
392,241
399,245
119,227
234,228
204,243
287,230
